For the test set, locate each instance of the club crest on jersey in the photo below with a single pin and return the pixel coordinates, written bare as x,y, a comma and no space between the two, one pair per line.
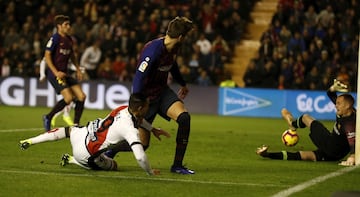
143,66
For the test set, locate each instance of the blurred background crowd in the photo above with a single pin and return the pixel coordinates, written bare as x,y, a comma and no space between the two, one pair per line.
307,44
109,34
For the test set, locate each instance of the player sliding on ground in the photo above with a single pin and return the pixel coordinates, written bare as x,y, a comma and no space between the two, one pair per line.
89,143
331,146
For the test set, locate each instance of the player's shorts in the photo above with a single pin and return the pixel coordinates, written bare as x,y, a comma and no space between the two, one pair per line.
331,147
161,104
60,84
78,143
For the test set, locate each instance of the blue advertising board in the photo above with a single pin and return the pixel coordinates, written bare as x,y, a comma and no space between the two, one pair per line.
269,102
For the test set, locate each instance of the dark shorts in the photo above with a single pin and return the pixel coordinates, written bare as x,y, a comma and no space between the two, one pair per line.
59,85
331,147
161,105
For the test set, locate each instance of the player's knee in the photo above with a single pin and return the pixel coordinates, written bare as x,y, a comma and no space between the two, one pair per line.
82,97
183,119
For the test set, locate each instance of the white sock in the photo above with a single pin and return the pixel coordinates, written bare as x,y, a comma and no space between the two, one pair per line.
42,69
51,135
67,109
73,161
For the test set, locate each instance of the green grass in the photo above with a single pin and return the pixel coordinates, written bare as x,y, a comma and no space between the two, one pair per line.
221,150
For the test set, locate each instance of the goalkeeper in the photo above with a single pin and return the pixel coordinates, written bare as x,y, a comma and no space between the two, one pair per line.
331,146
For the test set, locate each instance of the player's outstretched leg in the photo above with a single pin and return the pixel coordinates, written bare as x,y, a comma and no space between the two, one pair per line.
288,118
68,159
25,144
262,150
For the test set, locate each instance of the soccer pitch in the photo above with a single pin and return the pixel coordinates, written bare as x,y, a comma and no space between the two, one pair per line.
221,150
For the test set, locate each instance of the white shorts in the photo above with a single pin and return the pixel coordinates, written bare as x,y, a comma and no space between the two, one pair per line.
78,143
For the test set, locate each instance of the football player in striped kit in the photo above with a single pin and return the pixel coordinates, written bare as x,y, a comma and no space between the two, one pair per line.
156,61
89,143
58,52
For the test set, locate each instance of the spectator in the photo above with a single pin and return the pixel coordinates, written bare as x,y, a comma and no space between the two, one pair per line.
268,74
251,76
323,62
194,67
204,46
118,66
325,16
79,28
203,79
90,59
5,68
20,70
221,47
311,16
105,70
296,44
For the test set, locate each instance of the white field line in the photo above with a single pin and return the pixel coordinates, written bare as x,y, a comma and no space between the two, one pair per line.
314,181
140,178
20,130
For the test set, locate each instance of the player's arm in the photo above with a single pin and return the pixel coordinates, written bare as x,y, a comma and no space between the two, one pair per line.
156,131
146,61
142,159
50,48
75,61
337,86
175,72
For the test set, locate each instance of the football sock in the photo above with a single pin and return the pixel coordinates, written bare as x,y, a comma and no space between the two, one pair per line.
66,110
122,146
182,137
58,107
79,108
283,155
52,135
298,123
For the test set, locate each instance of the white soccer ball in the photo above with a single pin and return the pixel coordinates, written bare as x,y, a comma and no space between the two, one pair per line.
290,137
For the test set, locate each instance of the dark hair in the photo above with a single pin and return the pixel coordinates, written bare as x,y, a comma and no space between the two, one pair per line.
179,26
136,100
60,19
348,98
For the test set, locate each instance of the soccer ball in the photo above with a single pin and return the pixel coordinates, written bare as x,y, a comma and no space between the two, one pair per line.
290,138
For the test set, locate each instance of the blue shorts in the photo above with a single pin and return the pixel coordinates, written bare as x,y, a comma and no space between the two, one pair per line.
161,105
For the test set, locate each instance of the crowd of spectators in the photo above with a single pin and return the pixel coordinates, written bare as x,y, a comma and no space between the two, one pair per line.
307,45
108,34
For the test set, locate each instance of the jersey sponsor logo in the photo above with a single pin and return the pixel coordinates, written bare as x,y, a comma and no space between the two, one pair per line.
65,51
143,66
165,68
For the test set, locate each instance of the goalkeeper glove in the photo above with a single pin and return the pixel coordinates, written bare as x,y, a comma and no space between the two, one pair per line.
338,86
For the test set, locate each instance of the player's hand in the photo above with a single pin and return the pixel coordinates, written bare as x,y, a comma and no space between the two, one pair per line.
183,92
338,86
158,132
79,74
155,172
60,75
349,162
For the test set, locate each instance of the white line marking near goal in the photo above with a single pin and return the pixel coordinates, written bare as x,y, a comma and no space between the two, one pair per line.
20,130
312,182
141,178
